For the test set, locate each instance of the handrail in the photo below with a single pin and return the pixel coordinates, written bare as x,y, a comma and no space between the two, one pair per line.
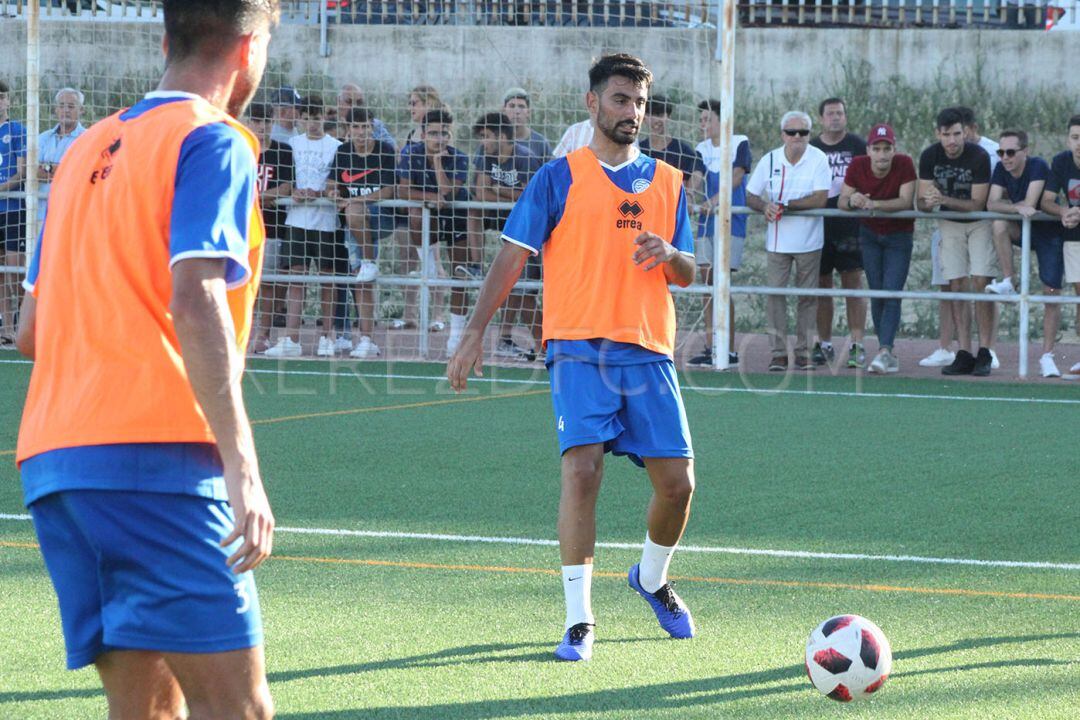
428,279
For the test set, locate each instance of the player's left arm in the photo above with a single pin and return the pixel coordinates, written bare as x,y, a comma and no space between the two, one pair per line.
677,256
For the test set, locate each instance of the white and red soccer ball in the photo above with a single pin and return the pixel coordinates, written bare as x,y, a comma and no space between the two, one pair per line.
848,658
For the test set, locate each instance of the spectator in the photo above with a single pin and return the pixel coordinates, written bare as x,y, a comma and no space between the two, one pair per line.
1061,198
275,181
841,250
503,169
518,108
883,181
947,328
971,134
422,100
794,176
1016,187
286,102
955,175
52,144
706,179
12,213
363,174
351,96
660,145
434,171
576,137
312,230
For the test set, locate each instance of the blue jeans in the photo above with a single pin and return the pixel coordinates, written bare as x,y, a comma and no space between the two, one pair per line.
886,259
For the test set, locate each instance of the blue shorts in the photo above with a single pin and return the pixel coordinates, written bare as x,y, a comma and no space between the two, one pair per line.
144,571
1050,253
634,410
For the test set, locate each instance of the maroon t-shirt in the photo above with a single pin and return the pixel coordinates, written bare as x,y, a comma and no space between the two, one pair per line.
861,177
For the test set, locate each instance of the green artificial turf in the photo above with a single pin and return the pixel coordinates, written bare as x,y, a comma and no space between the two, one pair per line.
360,626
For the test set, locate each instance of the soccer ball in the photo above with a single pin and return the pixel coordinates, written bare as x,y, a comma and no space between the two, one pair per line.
848,658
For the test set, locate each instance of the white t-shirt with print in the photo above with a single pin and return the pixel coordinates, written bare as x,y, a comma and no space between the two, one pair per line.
314,160
777,180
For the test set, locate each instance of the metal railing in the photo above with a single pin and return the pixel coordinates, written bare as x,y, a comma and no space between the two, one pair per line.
428,279
1033,15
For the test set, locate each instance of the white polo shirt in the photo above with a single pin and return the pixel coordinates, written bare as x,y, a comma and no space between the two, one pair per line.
775,179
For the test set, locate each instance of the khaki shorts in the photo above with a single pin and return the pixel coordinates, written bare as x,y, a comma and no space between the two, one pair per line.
1072,262
703,251
967,249
937,279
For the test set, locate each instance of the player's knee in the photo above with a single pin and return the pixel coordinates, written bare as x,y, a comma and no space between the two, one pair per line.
253,706
677,491
582,473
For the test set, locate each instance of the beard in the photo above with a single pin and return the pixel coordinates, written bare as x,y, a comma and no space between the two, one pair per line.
622,133
242,93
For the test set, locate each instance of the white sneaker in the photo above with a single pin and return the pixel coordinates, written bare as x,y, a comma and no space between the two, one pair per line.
368,271
1001,287
877,365
342,344
285,348
994,364
326,347
939,358
365,349
1048,367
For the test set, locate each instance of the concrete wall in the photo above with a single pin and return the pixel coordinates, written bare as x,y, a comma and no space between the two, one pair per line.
484,60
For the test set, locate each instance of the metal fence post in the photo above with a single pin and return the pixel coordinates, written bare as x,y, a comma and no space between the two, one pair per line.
324,27
1025,289
425,288
33,125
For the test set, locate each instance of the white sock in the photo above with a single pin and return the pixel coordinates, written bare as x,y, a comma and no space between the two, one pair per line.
577,588
654,565
457,325
826,344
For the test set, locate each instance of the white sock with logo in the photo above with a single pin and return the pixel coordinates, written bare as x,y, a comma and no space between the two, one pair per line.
577,588
654,565
457,326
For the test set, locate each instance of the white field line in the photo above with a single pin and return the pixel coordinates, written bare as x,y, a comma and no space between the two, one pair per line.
686,388
802,554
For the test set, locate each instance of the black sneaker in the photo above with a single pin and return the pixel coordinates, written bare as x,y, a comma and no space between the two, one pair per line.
778,364
702,360
822,354
733,359
964,364
983,362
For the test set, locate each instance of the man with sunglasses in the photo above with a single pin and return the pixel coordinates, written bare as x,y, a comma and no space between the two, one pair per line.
1016,188
794,176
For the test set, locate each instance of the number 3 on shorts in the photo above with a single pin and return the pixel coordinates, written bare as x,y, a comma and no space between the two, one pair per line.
245,599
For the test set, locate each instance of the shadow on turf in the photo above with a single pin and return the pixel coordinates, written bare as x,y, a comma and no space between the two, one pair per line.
728,688
469,654
706,691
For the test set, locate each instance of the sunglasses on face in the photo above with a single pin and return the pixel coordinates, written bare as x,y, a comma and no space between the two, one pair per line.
793,133
1008,153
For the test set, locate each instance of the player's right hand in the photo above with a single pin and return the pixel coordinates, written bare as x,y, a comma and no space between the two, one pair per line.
469,356
253,517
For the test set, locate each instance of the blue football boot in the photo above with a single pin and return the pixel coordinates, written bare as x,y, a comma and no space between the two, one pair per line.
576,643
670,609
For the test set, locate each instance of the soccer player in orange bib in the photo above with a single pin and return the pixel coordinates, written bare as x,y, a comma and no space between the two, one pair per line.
136,454
614,233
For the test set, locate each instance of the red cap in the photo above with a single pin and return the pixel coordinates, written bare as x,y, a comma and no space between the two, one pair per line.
882,132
